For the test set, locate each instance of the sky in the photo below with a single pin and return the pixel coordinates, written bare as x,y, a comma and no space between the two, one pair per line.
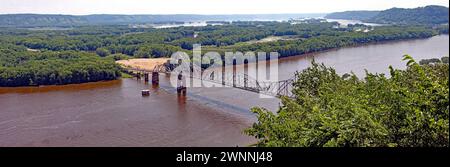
84,7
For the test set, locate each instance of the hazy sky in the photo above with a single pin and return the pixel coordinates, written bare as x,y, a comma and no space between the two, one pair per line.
81,7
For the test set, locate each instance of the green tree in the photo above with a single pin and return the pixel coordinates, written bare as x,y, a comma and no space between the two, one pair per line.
408,109
102,52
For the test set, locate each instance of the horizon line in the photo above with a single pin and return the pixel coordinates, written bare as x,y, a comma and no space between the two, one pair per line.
159,14
205,14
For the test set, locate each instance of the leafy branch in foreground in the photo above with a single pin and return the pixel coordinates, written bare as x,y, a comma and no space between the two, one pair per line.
410,108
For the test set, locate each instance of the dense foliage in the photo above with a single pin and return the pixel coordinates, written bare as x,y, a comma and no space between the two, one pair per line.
410,108
19,67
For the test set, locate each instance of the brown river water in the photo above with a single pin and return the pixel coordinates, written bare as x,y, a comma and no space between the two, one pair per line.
114,113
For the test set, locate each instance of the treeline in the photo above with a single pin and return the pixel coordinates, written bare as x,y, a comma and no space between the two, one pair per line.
434,61
336,40
19,67
408,109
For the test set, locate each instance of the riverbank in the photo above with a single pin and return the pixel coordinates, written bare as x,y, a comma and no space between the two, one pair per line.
52,88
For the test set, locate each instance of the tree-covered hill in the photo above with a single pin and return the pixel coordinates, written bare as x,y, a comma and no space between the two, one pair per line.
422,15
32,20
353,15
429,15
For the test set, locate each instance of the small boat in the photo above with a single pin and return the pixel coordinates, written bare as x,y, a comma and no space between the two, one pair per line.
146,92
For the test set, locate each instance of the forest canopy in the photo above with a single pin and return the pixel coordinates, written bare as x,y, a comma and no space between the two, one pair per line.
22,68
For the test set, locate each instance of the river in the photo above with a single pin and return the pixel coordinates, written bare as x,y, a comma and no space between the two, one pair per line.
114,113
376,58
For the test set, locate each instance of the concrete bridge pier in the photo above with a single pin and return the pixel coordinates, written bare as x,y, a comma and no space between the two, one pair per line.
181,90
223,72
138,75
155,78
234,72
245,73
146,77
181,85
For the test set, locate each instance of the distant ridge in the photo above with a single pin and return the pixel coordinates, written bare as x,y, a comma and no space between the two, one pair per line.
422,15
42,20
353,15
30,20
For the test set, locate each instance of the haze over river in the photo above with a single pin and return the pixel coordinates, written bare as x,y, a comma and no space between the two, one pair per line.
115,114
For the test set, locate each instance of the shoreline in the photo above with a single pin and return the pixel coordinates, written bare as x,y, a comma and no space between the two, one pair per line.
47,88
